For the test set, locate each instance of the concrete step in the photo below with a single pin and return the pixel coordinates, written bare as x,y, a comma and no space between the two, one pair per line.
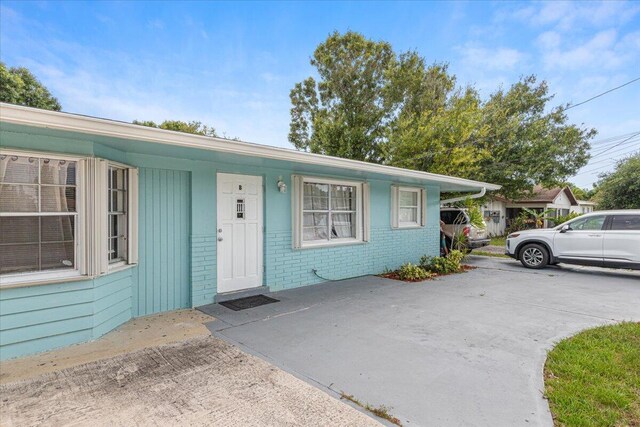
227,296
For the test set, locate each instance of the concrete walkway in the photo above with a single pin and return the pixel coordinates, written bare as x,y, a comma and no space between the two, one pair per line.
463,350
133,379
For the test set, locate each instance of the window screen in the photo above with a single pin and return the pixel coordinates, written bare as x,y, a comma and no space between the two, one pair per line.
117,216
329,211
408,206
38,214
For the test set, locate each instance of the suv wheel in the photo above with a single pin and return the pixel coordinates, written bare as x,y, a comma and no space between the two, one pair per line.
534,255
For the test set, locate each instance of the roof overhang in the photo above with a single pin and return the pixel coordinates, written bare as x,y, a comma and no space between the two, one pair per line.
68,122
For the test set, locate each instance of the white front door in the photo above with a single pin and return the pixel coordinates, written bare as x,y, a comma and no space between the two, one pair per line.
239,232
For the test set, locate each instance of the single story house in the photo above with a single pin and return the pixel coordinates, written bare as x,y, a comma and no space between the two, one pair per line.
102,221
584,206
499,211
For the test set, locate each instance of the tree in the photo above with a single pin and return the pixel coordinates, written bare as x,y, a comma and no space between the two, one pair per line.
444,140
528,145
372,104
194,127
20,86
620,189
346,112
579,192
539,216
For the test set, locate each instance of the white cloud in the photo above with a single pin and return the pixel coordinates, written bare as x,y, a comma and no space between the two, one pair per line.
491,59
566,16
155,24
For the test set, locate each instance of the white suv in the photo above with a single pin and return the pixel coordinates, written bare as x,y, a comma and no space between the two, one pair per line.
601,238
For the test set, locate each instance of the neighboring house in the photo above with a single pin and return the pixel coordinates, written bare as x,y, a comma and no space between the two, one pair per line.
584,206
102,221
500,212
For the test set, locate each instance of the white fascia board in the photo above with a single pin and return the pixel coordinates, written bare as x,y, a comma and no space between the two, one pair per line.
29,116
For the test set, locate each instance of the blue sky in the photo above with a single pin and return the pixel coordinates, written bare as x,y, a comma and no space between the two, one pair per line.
232,65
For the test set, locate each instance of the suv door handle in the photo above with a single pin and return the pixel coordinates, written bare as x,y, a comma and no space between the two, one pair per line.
595,235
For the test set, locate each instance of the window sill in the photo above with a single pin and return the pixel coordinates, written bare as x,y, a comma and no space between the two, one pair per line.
25,280
120,266
331,244
408,226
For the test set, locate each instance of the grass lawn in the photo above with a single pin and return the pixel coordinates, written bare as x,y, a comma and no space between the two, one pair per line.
593,378
498,241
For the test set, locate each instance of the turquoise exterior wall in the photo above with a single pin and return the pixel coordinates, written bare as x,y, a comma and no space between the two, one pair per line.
177,241
39,318
162,277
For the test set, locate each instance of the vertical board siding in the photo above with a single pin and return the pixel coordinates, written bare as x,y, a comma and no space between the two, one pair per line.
163,281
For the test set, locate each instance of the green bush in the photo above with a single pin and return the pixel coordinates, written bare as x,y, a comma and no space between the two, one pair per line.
412,272
443,265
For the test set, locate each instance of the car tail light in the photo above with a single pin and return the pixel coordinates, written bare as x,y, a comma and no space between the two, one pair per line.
466,230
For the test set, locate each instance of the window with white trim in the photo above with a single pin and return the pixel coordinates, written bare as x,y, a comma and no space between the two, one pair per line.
64,216
328,212
118,214
407,207
39,213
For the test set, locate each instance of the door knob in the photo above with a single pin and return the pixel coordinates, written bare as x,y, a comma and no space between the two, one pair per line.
219,239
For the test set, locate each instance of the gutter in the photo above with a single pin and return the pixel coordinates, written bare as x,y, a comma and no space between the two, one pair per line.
459,198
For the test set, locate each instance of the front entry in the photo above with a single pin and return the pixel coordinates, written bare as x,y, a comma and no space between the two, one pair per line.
239,232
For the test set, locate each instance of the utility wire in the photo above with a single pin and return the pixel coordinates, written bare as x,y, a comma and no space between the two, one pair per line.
614,146
594,169
610,141
601,94
617,149
619,155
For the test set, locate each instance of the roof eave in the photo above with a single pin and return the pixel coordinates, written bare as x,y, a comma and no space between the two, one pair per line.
29,116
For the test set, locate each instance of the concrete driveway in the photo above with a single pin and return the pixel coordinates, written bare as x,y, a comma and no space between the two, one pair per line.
463,350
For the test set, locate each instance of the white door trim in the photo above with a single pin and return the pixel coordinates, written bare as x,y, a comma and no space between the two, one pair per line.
227,253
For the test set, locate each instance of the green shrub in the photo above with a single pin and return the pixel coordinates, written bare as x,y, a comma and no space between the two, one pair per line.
443,265
412,272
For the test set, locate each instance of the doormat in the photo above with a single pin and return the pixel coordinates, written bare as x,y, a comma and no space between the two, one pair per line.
248,302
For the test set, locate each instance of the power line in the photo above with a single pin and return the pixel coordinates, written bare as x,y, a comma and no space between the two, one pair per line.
617,155
610,141
601,94
614,146
594,169
617,149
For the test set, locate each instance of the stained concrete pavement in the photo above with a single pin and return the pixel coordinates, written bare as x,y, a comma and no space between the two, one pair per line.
462,350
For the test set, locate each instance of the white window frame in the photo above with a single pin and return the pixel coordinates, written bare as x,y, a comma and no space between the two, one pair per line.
102,168
80,267
395,207
91,228
361,212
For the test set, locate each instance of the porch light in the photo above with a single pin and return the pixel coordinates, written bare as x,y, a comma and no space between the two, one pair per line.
282,187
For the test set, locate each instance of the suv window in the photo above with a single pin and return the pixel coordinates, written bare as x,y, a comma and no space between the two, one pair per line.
590,223
453,217
625,222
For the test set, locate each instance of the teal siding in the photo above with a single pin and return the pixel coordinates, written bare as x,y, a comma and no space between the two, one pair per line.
163,275
112,301
177,240
39,318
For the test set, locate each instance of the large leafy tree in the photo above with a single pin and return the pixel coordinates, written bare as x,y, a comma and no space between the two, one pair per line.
620,189
346,112
528,144
372,104
19,86
194,127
